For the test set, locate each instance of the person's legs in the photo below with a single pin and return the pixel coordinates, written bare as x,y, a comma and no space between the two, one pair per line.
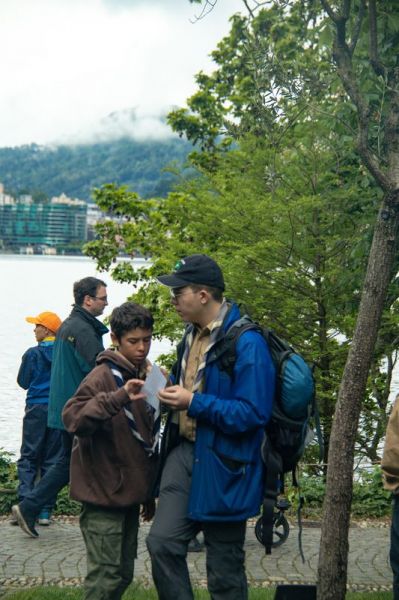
46,490
225,560
394,548
51,454
110,537
171,530
129,546
33,438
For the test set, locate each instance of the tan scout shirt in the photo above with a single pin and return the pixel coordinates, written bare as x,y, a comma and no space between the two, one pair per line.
187,426
390,458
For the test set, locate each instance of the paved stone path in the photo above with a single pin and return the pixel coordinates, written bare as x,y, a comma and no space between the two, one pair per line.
58,557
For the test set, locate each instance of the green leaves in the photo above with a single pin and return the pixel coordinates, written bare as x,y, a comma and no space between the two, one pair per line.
277,195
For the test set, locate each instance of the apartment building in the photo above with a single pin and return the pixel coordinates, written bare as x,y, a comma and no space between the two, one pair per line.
58,223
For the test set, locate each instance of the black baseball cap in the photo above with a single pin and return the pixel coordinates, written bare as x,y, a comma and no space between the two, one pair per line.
197,269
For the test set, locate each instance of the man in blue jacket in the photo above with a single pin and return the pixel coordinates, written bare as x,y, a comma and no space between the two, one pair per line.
78,341
212,477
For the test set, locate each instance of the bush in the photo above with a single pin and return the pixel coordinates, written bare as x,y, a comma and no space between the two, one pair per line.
9,487
8,470
8,482
369,497
66,506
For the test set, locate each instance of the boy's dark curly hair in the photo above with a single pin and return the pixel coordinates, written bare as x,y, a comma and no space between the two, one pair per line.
128,316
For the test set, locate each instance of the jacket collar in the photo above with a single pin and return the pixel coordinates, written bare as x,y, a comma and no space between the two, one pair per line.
99,327
232,315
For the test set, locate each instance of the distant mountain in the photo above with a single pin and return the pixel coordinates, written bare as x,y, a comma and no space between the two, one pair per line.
76,170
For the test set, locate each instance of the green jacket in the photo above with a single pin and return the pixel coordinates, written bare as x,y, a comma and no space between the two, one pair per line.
78,341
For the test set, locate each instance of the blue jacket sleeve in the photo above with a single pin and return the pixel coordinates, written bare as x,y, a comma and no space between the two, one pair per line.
249,403
27,369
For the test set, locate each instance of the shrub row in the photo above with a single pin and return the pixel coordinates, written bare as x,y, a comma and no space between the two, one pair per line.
9,484
370,500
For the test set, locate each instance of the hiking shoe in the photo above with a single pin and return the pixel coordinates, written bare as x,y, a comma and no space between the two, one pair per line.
25,524
44,517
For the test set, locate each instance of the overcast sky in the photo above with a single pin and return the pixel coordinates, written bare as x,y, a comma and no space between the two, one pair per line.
68,64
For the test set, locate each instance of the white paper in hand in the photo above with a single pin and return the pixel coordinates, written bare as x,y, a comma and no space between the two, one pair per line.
155,381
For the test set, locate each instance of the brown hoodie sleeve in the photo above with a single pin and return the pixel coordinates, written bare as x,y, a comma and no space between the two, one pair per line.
96,400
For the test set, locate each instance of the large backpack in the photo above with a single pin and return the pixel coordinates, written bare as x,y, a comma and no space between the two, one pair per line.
288,431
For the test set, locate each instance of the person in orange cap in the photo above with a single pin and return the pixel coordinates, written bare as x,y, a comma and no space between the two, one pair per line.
40,444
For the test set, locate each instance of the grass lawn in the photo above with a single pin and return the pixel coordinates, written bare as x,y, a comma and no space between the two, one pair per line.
137,593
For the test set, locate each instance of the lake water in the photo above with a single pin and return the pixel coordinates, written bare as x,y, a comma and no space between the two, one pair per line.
33,284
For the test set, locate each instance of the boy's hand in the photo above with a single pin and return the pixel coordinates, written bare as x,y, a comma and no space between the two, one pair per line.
148,510
133,387
176,397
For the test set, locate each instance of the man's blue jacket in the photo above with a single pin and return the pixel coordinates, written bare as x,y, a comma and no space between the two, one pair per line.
231,412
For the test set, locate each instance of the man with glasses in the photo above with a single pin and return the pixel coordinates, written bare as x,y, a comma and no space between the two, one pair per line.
78,341
212,476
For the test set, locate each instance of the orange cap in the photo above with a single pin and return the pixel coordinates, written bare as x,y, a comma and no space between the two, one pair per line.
47,319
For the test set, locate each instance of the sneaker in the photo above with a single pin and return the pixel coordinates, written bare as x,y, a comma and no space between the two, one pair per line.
26,525
44,517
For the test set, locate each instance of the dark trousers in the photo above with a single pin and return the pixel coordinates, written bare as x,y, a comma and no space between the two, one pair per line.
53,481
110,537
41,448
394,550
171,532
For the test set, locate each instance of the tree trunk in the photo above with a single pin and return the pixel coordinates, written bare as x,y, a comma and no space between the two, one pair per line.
333,557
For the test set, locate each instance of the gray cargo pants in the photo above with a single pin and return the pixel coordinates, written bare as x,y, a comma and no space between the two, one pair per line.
171,532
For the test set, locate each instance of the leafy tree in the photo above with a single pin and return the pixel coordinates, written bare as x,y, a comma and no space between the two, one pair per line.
365,51
282,247
309,214
368,68
271,99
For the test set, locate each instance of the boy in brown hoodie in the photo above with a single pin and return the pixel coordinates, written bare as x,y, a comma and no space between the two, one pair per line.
114,454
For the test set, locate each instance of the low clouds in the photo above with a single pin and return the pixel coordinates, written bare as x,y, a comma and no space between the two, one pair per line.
73,70
124,123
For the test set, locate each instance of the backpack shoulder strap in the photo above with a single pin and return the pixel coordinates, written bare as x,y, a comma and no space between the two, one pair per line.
225,351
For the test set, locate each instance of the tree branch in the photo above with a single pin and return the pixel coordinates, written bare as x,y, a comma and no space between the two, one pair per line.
391,138
333,16
343,59
337,17
346,9
249,8
206,9
357,27
375,62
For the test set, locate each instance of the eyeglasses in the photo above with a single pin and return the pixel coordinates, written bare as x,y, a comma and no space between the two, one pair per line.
175,293
102,298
